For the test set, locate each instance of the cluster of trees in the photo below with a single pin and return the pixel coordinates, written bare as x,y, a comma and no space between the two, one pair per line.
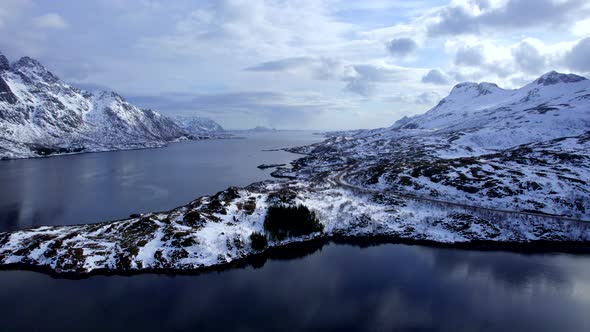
259,241
284,221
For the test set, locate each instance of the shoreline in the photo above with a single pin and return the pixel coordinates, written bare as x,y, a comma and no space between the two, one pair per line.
147,147
300,249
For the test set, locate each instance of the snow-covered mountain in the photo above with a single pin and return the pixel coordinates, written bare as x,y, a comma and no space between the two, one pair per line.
196,125
523,149
485,116
40,115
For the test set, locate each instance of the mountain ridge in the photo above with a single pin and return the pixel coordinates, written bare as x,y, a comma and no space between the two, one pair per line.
488,117
198,125
40,115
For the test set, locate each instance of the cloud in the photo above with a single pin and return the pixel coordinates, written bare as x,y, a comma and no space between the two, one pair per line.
247,109
528,58
280,65
477,17
319,68
361,79
427,98
364,78
469,56
326,68
50,21
579,57
360,86
467,75
401,47
482,4
267,28
501,60
435,76
453,21
244,102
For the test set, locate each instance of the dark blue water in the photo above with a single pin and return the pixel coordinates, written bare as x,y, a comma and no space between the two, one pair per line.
87,188
389,287
383,288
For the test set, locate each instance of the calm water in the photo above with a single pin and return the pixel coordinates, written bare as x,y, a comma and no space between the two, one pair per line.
94,187
381,288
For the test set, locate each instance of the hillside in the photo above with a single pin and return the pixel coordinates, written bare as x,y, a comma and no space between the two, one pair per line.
198,126
42,115
524,149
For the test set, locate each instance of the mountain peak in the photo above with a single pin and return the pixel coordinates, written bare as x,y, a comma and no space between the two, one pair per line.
478,89
4,64
28,63
107,94
553,77
32,68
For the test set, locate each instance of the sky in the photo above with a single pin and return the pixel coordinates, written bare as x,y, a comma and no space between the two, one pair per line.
296,64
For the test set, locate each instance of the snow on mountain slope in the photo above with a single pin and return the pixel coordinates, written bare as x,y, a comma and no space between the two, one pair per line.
196,125
40,115
524,149
485,116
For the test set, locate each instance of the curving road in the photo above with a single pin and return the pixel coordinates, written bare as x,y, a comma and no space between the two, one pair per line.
338,179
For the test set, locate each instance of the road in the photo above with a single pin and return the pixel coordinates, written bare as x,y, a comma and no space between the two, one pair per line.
338,179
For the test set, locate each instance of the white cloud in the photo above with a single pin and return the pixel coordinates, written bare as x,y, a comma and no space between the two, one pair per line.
50,21
581,28
270,28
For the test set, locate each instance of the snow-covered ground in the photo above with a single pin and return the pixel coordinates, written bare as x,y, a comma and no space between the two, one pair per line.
216,230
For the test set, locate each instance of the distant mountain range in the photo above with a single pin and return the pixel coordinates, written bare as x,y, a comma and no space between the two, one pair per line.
526,149
42,115
198,125
261,129
485,116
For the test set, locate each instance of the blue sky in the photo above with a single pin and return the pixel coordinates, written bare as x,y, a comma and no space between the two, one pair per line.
317,64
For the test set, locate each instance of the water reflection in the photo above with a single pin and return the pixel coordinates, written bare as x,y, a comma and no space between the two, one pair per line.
514,271
10,215
386,287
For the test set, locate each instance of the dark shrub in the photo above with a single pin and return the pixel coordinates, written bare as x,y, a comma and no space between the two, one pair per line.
250,205
192,216
259,241
285,221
